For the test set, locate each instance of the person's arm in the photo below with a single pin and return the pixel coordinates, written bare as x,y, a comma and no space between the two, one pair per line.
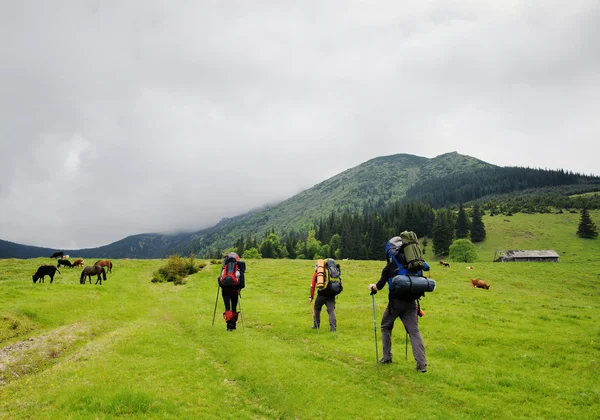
382,281
312,287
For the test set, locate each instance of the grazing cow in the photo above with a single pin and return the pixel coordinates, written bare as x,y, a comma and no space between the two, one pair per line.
90,271
77,263
45,270
444,263
480,284
105,263
64,262
57,255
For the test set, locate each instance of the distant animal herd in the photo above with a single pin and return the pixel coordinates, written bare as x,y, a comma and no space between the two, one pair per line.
97,269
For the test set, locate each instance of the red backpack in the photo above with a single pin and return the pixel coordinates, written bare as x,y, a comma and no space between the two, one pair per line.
231,274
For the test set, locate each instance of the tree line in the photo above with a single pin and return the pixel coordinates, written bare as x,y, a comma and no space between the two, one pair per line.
466,187
434,210
363,236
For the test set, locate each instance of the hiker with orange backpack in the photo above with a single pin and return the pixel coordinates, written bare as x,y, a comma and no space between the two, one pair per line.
232,281
327,280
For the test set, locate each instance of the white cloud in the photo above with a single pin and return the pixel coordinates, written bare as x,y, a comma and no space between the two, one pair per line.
126,117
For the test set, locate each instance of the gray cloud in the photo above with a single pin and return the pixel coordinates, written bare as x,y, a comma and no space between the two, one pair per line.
119,118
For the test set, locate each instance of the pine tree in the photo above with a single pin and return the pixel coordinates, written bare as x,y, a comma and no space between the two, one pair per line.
443,231
477,227
462,223
587,228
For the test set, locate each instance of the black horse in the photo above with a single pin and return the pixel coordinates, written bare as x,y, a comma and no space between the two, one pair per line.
90,271
43,271
66,263
58,255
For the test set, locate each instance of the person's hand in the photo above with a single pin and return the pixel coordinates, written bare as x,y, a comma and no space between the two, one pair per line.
310,300
373,288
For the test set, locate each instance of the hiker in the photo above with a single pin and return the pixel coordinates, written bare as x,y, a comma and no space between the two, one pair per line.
232,281
403,304
328,282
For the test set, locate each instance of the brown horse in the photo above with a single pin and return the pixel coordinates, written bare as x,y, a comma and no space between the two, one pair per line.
104,263
90,271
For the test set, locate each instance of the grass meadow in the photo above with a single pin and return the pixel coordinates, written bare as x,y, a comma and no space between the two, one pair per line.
527,348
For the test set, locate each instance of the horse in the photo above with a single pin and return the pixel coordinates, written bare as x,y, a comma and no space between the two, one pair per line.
90,271
45,270
64,262
104,263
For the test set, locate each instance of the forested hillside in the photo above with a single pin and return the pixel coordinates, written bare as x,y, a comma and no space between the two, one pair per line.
351,213
374,184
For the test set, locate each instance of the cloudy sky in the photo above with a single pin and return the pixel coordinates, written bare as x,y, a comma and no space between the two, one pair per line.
124,117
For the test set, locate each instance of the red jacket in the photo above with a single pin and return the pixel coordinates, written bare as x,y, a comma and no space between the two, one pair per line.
313,284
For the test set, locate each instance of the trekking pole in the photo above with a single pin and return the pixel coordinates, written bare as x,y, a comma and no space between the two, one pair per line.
406,347
216,300
241,315
375,326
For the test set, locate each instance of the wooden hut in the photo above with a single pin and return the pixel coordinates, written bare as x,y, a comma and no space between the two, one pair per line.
530,255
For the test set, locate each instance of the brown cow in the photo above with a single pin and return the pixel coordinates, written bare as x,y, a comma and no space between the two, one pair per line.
77,263
444,263
480,284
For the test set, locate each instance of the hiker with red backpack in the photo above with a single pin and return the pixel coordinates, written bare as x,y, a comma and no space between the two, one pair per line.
327,279
232,281
403,274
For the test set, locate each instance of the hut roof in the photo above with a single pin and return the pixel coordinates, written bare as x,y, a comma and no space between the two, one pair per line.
532,254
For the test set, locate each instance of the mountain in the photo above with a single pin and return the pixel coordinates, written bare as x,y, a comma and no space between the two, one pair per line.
148,245
377,183
13,250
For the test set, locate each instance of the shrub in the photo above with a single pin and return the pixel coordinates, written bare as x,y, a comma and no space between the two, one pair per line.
176,270
252,254
463,250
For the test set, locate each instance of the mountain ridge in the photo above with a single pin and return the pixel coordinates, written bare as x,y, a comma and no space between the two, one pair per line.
376,182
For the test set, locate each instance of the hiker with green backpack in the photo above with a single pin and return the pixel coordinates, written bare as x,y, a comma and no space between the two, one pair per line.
403,275
327,280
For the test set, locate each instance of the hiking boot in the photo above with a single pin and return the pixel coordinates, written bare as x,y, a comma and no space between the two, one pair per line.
421,368
314,327
385,361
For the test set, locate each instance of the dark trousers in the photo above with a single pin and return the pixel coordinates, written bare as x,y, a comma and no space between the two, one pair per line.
407,312
230,298
329,302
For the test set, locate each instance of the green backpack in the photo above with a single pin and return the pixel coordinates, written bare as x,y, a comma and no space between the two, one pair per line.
412,251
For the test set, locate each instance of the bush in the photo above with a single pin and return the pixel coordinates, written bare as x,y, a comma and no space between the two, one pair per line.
176,270
463,250
252,254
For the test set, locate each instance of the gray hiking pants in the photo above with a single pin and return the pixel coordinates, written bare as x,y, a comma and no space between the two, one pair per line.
407,311
329,302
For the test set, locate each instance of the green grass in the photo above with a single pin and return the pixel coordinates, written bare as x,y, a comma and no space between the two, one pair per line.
540,231
527,348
